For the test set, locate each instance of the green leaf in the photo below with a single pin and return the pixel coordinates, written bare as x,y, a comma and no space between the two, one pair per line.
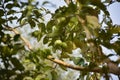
11,12
41,26
36,20
35,33
64,55
50,24
44,53
39,36
5,50
55,33
37,13
1,12
100,5
9,5
6,1
18,46
16,37
46,40
2,21
78,60
32,23
12,18
17,63
71,8
54,75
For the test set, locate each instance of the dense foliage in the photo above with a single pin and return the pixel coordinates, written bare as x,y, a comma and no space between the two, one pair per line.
73,39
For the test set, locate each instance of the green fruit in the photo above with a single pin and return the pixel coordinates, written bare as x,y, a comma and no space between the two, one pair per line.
58,42
64,45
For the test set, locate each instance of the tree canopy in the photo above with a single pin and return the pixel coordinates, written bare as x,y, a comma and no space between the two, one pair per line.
68,46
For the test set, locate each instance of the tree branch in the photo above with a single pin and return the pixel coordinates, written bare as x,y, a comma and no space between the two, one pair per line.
22,38
112,68
60,62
